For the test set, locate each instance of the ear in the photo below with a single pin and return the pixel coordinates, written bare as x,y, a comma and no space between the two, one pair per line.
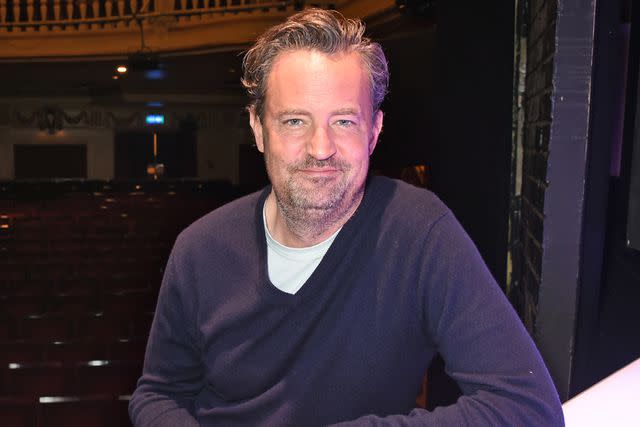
376,129
256,126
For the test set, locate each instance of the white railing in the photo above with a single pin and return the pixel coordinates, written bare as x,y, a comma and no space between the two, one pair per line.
70,15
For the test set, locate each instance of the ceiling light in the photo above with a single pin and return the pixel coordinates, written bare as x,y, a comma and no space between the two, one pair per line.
121,69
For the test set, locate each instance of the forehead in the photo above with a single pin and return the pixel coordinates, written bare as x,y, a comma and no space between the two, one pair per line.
313,79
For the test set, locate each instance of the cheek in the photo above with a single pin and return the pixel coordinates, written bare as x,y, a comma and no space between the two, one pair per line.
357,153
287,152
276,162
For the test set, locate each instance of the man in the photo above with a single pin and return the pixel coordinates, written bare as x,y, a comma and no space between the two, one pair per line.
322,299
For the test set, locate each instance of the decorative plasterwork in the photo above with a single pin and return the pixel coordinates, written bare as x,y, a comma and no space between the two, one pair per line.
53,118
115,30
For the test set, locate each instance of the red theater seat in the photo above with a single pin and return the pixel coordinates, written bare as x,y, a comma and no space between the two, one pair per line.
78,302
104,326
48,327
128,302
123,282
21,352
37,379
78,411
5,329
142,323
128,349
18,411
46,269
107,376
28,288
122,411
75,285
23,305
29,247
80,268
75,351
13,272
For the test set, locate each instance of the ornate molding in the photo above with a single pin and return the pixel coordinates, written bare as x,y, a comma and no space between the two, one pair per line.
115,30
53,118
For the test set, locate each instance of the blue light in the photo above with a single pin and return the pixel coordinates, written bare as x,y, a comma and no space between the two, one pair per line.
155,104
156,74
154,119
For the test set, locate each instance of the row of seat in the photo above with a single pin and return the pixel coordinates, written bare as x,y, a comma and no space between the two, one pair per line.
113,377
78,211
87,186
90,245
95,229
82,302
56,270
87,214
75,326
100,217
74,351
80,258
99,233
65,411
116,282
79,275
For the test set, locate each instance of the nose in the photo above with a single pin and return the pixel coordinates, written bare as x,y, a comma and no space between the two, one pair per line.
321,145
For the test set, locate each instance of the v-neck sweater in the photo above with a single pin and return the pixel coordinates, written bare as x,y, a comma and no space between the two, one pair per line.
401,281
289,268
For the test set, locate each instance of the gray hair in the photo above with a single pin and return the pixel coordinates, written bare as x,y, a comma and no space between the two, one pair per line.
326,31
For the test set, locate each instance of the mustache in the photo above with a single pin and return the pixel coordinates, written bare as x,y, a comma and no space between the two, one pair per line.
312,162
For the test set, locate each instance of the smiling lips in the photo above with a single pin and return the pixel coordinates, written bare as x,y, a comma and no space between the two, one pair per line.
319,170
328,172
314,168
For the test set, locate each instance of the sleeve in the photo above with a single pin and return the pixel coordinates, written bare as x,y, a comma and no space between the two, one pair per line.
172,374
485,346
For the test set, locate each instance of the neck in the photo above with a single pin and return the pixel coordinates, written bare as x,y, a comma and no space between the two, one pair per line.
302,229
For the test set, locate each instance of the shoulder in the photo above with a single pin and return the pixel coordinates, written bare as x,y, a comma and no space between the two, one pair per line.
228,222
406,204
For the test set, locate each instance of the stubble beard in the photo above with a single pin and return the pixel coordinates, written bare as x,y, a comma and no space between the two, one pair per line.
313,205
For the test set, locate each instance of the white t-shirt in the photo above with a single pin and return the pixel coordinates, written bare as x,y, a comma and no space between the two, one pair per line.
289,268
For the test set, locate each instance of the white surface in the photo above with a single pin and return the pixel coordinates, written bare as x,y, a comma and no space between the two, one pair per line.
614,401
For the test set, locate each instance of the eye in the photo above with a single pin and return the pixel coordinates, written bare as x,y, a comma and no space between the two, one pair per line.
293,122
345,123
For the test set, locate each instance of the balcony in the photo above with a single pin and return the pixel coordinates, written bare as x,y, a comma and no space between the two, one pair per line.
102,28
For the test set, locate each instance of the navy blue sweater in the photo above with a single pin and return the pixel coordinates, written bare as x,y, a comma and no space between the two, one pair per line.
401,281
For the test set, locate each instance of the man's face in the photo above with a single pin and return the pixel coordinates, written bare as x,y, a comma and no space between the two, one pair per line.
317,131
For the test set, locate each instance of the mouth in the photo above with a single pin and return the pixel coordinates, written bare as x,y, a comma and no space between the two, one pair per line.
319,171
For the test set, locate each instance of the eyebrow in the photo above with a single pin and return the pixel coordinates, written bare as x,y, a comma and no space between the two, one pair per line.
340,112
346,112
292,113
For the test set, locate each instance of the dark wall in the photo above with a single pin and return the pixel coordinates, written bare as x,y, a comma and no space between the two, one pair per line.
449,108
471,112
35,161
408,123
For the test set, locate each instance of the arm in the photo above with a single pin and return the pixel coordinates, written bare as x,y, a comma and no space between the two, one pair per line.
486,349
172,374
